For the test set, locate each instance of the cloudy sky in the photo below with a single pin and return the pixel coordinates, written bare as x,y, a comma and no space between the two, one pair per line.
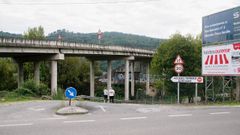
154,18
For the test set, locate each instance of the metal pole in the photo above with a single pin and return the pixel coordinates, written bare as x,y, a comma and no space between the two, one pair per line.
196,92
223,91
178,86
109,77
70,102
206,89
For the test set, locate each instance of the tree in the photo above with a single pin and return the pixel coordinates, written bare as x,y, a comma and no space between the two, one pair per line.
74,72
189,49
36,33
7,70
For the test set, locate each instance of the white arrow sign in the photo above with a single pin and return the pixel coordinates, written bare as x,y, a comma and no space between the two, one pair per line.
70,93
187,79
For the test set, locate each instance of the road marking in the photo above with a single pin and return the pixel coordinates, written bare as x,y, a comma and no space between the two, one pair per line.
217,113
36,109
53,118
133,118
79,121
16,125
180,115
102,108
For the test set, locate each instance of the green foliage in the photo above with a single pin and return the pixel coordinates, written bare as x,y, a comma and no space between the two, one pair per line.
30,88
10,35
7,74
36,33
109,38
28,70
73,71
3,93
60,95
189,49
45,73
25,92
14,96
43,89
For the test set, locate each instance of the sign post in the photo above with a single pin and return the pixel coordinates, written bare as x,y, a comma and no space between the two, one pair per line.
178,69
178,90
189,79
196,92
70,93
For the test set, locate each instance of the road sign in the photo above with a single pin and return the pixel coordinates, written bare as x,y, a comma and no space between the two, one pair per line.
187,79
71,92
178,68
178,60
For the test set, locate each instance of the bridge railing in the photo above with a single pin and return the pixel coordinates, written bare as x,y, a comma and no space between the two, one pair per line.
59,44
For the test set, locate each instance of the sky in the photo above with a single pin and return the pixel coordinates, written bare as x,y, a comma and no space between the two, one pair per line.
153,18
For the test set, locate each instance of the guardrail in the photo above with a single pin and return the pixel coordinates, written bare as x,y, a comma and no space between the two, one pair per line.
59,44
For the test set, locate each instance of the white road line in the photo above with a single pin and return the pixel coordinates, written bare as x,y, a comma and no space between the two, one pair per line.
79,121
180,115
53,118
102,108
16,125
217,113
133,118
36,109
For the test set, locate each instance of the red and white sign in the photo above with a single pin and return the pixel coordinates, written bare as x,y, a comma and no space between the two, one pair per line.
221,60
178,60
187,79
178,68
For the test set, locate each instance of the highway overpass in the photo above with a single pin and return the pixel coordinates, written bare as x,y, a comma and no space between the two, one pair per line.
35,51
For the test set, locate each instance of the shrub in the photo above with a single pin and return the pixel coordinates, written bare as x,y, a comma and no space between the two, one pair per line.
24,92
3,93
59,95
30,88
30,85
43,89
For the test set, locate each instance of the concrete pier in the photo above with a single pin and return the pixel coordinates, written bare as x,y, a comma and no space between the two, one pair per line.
132,79
148,78
127,80
53,77
109,76
92,80
20,74
37,72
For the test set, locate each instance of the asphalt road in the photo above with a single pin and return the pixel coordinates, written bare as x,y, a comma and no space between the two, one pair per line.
38,118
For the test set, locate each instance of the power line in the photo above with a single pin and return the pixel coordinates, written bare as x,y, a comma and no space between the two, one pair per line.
78,3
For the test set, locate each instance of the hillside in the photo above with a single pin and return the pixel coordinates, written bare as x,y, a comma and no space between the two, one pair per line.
109,38
10,35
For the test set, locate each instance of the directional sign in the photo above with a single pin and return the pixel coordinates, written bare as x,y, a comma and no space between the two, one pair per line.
71,92
178,68
178,60
187,79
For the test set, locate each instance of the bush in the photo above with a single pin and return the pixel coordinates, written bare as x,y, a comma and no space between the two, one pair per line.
43,89
3,93
30,88
59,95
31,85
24,92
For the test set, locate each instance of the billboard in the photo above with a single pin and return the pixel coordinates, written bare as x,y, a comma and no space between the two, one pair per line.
222,26
221,60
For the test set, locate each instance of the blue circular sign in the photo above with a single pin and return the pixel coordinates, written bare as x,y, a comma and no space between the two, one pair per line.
70,92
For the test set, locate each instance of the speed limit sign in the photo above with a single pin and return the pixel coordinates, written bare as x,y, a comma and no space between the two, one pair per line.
178,68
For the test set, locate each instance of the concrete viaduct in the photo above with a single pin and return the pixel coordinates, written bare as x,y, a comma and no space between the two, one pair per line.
31,50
